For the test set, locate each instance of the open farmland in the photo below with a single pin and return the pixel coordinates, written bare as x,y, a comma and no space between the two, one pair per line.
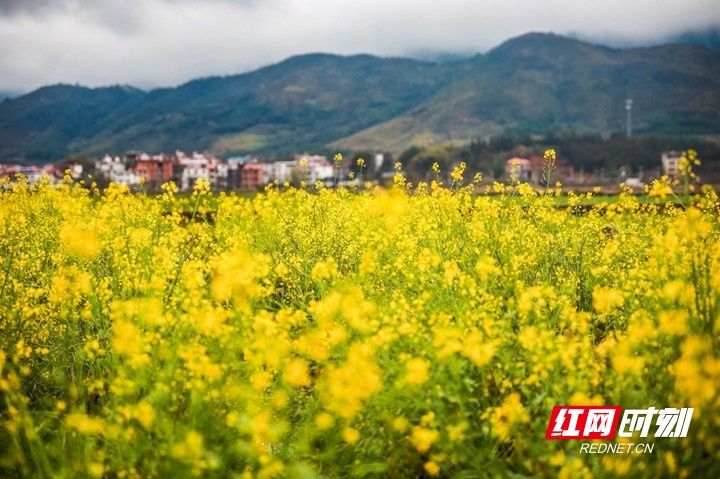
335,333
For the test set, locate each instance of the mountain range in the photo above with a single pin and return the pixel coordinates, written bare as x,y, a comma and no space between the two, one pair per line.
537,83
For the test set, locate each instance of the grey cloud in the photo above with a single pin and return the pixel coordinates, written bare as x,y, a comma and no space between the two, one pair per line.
122,16
165,42
12,7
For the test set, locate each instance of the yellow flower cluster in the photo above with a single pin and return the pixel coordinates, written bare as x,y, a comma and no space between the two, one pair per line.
409,332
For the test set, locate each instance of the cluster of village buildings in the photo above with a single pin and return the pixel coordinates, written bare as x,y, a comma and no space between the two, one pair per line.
247,173
136,169
33,173
531,170
238,173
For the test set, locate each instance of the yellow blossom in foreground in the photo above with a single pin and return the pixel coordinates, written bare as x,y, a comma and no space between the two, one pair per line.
417,371
510,413
432,468
324,421
190,448
423,438
347,386
80,240
127,339
606,299
296,373
84,424
350,435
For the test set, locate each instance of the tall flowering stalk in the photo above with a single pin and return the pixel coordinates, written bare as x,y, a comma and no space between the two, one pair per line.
548,169
688,160
336,164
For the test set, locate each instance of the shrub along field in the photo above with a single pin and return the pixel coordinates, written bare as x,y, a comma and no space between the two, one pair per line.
336,333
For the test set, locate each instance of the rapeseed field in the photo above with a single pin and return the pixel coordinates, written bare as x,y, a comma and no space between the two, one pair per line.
422,331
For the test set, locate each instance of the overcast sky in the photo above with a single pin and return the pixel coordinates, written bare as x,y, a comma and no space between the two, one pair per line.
151,43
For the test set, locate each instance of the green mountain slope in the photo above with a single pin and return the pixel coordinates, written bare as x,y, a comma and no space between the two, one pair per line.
541,83
536,83
41,125
305,101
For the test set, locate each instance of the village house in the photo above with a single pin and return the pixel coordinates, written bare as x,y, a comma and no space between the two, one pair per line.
219,175
108,165
193,168
200,166
531,170
248,173
114,169
154,170
518,169
235,171
253,176
280,171
671,163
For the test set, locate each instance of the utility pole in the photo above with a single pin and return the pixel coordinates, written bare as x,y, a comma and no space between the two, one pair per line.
628,118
